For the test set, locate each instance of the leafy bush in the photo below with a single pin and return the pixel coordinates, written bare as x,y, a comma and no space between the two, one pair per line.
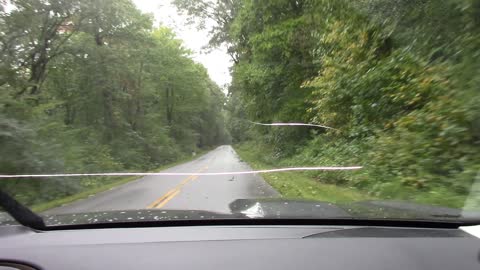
398,80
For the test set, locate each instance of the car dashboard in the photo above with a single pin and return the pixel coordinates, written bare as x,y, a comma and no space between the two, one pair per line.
239,247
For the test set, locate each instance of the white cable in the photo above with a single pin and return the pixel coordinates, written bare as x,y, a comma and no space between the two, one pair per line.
291,124
183,174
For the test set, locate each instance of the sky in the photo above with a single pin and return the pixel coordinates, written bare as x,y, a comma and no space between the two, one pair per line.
216,61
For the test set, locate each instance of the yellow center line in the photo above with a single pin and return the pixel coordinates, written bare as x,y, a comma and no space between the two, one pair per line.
168,199
160,202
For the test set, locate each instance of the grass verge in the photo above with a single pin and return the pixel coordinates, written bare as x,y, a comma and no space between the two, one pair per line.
298,185
41,207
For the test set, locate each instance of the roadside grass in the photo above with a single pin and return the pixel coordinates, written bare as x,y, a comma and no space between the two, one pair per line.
41,207
298,185
303,185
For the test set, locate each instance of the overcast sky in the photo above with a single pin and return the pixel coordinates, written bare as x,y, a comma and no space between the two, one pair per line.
217,61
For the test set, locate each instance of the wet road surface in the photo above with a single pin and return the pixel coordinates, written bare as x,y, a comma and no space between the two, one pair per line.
210,193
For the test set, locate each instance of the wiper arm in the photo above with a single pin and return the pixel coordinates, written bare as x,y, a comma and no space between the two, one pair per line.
20,213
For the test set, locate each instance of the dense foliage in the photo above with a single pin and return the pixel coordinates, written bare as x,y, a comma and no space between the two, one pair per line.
91,86
398,80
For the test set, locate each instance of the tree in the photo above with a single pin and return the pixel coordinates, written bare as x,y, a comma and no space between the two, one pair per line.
91,86
218,15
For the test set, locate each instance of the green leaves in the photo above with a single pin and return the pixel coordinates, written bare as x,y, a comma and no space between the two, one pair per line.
398,79
84,88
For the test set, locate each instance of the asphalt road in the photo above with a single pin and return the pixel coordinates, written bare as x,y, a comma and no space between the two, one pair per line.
210,193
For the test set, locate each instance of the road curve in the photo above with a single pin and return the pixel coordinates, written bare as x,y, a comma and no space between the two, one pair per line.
195,192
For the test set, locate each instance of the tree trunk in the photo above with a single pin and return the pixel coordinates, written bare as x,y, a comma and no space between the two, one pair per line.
70,113
170,103
108,118
138,116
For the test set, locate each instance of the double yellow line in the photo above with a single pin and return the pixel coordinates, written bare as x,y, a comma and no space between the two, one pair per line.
160,202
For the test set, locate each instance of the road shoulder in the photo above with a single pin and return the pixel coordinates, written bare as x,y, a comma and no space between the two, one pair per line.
298,185
42,207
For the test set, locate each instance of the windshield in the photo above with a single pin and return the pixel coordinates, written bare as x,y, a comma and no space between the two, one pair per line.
131,110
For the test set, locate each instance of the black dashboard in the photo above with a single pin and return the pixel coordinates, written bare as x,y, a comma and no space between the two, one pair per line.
241,247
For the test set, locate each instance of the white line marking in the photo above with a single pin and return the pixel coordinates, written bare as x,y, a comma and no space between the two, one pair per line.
292,124
185,173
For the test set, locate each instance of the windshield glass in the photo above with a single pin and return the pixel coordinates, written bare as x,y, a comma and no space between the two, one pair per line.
131,110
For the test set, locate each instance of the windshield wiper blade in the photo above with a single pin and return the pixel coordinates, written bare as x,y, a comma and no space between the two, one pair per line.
21,213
